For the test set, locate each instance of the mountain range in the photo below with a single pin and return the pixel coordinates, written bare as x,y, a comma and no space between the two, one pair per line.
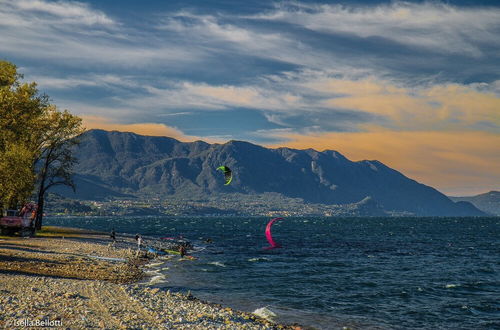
127,165
488,202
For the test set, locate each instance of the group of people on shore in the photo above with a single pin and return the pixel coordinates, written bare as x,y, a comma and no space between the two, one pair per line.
138,238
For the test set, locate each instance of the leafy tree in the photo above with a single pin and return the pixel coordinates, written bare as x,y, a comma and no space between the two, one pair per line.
56,160
36,141
8,74
21,109
16,173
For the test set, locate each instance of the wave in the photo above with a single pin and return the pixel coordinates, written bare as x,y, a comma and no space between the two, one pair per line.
157,279
265,313
258,259
152,265
152,272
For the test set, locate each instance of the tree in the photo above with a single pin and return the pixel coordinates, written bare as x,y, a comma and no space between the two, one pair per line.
21,109
36,142
56,160
16,173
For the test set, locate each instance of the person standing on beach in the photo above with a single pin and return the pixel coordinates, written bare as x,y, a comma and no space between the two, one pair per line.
113,237
138,238
182,250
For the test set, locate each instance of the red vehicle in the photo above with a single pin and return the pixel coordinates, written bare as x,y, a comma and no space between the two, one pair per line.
22,221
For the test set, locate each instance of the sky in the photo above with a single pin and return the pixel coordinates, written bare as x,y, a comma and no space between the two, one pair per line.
413,84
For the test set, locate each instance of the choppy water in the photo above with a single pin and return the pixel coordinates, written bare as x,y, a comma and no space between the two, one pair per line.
396,273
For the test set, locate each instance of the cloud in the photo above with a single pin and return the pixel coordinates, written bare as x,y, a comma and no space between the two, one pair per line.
455,162
447,106
431,25
222,34
302,100
78,81
202,96
250,96
225,94
150,129
68,12
441,106
72,33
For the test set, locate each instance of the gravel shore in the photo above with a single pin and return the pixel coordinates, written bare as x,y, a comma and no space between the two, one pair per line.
58,281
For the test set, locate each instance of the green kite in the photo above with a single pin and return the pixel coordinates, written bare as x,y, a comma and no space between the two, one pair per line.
228,175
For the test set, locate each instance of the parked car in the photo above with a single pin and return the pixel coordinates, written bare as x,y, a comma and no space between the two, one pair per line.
22,222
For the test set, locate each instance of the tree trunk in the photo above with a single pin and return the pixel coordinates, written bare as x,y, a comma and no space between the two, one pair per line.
39,211
41,192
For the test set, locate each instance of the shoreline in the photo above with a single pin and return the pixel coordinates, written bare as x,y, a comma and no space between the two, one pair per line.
56,278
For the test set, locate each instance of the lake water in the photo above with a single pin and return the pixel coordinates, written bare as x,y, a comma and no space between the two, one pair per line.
387,273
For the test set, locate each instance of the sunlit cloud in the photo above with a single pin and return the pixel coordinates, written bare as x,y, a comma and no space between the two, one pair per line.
150,129
202,96
442,106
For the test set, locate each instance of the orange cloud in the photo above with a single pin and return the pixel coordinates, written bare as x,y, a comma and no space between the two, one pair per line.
150,129
454,162
447,106
465,103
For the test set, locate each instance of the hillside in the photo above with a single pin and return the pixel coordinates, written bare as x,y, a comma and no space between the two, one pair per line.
117,164
488,202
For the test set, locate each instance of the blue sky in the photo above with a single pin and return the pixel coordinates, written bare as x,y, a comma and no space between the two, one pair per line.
414,84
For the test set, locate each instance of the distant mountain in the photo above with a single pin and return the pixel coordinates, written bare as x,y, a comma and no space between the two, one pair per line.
117,164
488,202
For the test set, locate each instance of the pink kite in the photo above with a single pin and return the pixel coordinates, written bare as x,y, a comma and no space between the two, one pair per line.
269,236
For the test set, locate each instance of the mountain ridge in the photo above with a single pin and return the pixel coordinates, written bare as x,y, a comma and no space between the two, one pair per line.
127,164
488,202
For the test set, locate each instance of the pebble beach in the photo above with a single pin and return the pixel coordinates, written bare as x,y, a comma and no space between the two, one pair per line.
58,279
